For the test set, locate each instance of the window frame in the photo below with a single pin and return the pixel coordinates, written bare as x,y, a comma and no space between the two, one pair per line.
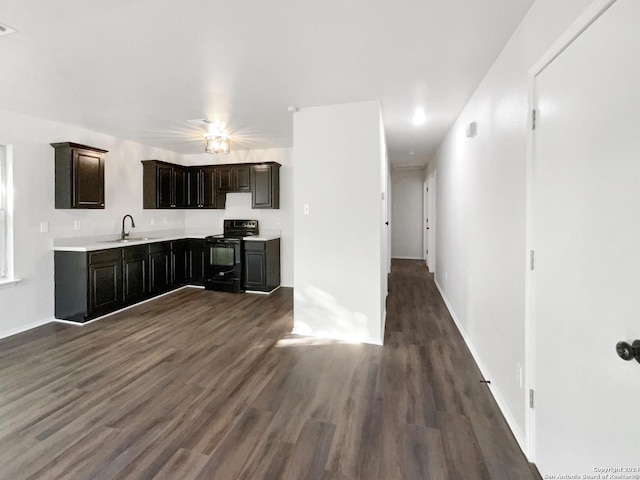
4,234
7,275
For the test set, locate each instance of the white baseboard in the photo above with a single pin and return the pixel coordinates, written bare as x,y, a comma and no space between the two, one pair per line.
258,292
406,258
493,388
24,328
344,338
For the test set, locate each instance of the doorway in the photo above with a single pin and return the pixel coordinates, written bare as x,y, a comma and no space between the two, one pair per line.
429,222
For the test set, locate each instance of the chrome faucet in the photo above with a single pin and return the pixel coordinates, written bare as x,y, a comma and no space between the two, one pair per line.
124,234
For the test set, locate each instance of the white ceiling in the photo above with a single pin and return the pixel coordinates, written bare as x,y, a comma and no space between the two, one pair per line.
139,69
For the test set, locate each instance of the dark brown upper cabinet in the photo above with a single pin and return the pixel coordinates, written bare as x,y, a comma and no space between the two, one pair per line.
79,176
265,185
234,178
165,185
202,188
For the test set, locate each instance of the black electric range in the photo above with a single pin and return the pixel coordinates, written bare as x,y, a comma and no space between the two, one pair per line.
224,269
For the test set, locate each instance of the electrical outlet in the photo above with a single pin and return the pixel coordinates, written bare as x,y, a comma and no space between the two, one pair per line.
153,221
306,209
44,227
446,276
164,220
278,221
77,225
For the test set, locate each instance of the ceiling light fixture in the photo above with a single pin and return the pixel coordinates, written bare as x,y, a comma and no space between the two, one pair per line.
419,117
217,143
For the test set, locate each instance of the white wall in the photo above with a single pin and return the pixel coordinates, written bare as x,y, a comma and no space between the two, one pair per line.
32,301
406,228
239,204
481,194
339,247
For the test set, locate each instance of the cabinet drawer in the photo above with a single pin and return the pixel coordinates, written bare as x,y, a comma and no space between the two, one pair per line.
105,256
136,251
162,247
253,246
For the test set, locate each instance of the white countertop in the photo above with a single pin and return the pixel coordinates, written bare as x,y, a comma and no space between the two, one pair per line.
103,242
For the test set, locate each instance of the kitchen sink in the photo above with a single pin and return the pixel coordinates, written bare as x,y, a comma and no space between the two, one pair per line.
128,240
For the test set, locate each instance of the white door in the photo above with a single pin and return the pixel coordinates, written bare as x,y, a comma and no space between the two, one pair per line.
425,222
586,220
431,244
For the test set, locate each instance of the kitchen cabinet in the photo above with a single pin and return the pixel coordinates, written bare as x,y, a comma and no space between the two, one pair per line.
159,267
202,188
79,176
92,284
234,178
164,185
179,251
95,283
87,284
135,268
265,185
262,265
197,257
105,280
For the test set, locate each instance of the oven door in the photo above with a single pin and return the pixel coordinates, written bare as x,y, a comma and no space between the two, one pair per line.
224,256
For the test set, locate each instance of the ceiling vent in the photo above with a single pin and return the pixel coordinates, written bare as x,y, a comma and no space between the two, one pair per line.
5,30
201,122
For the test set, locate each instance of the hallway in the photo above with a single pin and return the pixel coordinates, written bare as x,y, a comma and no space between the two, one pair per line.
201,384
439,394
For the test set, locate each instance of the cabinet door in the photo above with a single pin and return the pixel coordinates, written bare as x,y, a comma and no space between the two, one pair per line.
179,262
196,259
159,272
265,187
104,288
180,188
213,197
242,178
164,186
225,178
134,279
255,274
196,188
88,179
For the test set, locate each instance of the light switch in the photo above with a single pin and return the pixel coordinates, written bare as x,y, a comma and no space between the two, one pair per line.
306,209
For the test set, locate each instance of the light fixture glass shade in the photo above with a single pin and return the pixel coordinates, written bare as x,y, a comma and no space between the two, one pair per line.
217,144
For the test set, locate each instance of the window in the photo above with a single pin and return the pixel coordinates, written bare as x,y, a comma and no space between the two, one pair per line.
4,214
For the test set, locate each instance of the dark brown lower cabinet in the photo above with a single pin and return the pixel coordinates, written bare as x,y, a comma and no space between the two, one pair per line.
135,268
92,284
179,250
159,267
104,287
197,256
262,265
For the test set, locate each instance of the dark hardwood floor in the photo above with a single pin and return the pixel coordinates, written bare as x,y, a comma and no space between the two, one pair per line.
208,385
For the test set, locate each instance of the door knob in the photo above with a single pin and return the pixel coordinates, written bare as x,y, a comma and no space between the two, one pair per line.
629,352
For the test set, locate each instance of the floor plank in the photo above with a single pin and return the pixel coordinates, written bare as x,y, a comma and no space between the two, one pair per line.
200,385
